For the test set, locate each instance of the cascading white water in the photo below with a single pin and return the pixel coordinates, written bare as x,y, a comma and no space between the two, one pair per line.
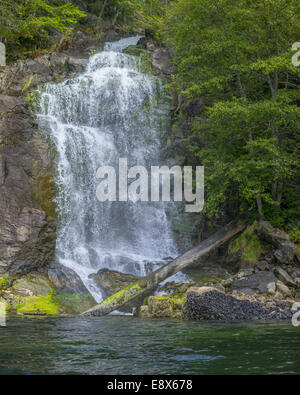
111,111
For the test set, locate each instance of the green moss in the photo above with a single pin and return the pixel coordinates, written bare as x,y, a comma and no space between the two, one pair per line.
28,83
33,99
176,300
145,62
4,141
121,295
43,304
133,50
247,244
5,283
74,303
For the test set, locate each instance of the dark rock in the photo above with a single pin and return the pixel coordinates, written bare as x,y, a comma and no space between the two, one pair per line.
66,280
193,108
262,265
285,248
161,60
112,281
284,277
285,254
257,282
208,303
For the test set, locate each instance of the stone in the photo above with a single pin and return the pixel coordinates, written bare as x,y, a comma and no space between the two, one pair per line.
284,277
297,282
284,254
283,289
143,312
161,60
271,288
159,307
278,238
262,265
65,280
207,303
257,282
112,281
31,285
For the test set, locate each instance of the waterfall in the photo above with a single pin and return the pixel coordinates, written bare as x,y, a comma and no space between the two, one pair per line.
110,111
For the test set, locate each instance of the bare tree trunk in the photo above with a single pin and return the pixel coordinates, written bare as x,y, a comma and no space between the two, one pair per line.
149,282
259,207
115,18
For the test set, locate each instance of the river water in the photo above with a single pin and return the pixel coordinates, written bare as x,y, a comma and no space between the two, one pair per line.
127,345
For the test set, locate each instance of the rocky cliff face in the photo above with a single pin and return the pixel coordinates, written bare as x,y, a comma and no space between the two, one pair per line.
27,223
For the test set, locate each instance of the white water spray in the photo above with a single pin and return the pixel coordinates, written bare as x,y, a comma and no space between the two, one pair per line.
110,111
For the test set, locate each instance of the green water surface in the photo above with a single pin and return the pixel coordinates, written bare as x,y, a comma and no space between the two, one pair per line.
127,345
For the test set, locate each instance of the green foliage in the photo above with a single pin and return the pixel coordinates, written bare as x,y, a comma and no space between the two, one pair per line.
247,244
26,24
237,56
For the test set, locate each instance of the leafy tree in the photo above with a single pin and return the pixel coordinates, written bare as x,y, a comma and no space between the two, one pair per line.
25,21
237,55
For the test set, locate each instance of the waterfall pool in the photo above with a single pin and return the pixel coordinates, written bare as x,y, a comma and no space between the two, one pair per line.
127,345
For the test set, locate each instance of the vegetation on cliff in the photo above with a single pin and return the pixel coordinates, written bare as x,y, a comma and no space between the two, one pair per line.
237,57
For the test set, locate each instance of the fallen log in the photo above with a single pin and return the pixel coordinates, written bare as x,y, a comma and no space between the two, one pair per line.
146,284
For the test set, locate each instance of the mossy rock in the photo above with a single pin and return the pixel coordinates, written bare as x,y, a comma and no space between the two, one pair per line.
31,285
5,283
133,50
74,303
38,304
166,306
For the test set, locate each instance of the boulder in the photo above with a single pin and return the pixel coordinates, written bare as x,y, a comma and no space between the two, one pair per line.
271,288
283,289
257,282
31,285
297,282
262,265
207,303
66,280
284,277
278,238
167,306
161,60
111,281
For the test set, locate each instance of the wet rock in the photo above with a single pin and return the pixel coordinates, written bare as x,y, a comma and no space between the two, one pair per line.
159,307
162,307
66,280
278,238
173,288
257,282
207,303
27,233
112,281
